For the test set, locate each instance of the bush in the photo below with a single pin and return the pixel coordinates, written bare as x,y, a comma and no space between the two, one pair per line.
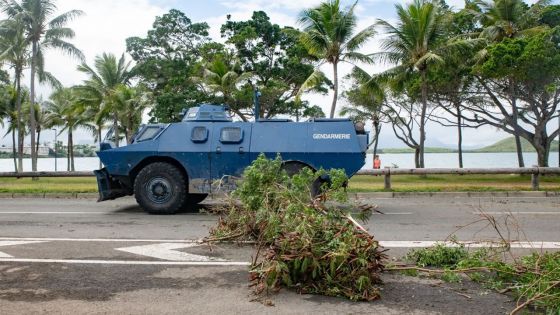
437,256
305,243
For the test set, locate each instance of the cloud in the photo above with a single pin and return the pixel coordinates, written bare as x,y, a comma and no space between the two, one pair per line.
103,28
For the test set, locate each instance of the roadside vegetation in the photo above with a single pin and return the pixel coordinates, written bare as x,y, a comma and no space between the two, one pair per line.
305,243
404,183
533,280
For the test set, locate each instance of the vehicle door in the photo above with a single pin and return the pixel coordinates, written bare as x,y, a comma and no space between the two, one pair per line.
229,154
196,155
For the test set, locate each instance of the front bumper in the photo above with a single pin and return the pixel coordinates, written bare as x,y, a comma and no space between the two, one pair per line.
109,188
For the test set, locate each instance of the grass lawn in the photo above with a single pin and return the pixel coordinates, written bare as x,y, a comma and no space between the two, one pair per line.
357,184
49,185
453,183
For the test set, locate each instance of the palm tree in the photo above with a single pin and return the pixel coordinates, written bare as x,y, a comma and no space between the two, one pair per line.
63,110
14,50
329,35
9,111
133,101
414,43
510,18
104,80
43,31
221,79
42,120
366,102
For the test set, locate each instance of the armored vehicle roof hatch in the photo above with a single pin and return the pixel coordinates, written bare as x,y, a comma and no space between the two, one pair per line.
207,112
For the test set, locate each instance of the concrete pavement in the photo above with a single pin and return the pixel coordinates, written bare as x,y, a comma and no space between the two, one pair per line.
79,256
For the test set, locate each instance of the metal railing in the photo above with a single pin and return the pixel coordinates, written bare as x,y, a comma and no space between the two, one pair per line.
534,171
387,172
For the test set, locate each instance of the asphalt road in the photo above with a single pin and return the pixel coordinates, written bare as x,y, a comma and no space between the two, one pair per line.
79,256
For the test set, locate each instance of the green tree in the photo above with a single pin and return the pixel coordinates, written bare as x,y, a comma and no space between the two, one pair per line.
510,18
220,80
273,60
132,102
366,101
9,111
329,34
533,64
43,31
165,62
413,44
14,50
450,82
63,110
507,19
99,90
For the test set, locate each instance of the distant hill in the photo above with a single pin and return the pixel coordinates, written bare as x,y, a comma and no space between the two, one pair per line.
506,145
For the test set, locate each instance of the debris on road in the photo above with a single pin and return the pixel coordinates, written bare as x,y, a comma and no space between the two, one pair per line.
303,242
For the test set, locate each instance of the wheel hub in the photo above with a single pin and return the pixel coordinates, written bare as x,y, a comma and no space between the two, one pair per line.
159,190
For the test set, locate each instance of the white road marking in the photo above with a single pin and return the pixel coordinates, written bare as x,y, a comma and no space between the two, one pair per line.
54,212
128,262
415,244
522,212
12,243
393,213
166,251
50,239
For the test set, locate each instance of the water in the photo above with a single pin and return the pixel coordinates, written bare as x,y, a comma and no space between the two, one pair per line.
433,160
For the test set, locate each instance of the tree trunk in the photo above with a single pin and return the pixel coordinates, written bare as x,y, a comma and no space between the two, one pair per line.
20,128
417,157
459,136
519,150
518,146
38,141
68,154
116,129
99,131
32,107
14,151
542,146
377,129
423,118
335,96
71,149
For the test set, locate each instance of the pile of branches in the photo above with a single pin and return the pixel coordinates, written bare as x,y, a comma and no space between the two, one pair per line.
306,243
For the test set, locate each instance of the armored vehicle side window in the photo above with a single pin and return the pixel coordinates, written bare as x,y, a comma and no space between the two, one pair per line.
231,135
199,134
148,133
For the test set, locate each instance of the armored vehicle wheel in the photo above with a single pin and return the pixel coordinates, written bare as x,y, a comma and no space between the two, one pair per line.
194,199
160,188
293,168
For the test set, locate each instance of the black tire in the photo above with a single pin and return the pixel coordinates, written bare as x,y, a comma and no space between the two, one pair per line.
159,188
293,168
194,199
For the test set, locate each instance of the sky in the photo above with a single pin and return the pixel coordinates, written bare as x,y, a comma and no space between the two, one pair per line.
107,23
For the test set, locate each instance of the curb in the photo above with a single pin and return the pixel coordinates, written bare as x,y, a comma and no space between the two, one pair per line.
49,195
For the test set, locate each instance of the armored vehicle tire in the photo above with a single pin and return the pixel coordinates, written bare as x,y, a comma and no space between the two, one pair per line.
160,188
293,168
194,199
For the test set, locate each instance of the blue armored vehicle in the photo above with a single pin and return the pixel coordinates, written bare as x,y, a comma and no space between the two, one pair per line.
168,167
